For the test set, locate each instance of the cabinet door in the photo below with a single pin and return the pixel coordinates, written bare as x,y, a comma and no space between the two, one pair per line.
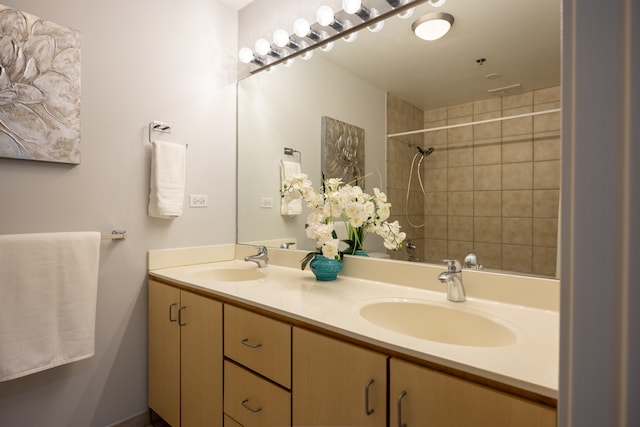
337,383
423,397
164,352
201,361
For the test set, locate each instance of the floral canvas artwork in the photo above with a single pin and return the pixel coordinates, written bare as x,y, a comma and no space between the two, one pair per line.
343,151
39,89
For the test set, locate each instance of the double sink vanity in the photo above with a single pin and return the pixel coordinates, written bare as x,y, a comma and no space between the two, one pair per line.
234,344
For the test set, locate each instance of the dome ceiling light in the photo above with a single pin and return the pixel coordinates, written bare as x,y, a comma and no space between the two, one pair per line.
432,26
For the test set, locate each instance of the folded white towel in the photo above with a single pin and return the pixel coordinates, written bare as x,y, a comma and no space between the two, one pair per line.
48,289
166,190
288,170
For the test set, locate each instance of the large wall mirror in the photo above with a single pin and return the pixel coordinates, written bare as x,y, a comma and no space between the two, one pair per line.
485,98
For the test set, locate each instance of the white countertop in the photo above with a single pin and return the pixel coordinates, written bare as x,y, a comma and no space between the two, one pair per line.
531,363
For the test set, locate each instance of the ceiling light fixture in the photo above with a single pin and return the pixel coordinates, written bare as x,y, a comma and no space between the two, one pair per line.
432,26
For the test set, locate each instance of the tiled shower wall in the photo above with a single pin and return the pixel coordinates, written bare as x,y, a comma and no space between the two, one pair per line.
492,188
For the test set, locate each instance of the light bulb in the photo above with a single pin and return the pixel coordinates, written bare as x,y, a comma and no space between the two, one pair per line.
263,47
324,16
301,27
281,38
351,37
327,47
378,25
406,14
307,55
437,3
245,55
351,6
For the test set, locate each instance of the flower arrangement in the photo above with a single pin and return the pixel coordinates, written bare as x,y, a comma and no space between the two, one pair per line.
362,214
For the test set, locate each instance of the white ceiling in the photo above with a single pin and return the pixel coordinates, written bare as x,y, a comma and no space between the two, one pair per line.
236,4
520,40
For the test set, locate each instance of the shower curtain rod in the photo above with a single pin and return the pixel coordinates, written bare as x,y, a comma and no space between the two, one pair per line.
479,122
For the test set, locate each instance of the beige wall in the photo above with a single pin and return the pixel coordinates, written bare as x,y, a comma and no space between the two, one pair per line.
491,188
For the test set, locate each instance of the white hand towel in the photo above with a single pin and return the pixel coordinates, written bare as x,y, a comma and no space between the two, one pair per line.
288,170
166,195
48,289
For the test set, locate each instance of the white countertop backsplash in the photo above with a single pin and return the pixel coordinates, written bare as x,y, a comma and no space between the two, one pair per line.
528,305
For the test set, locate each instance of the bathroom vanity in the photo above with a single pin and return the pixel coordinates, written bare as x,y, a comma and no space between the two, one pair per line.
236,345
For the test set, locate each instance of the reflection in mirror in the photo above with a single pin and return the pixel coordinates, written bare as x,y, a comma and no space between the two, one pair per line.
492,188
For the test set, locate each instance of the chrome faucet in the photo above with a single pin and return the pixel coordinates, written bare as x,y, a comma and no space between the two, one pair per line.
453,278
471,262
261,258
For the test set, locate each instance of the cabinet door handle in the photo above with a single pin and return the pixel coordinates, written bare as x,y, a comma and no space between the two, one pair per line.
368,410
180,323
171,318
248,344
401,397
245,403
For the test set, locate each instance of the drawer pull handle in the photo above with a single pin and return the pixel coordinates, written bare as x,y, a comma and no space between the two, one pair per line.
171,318
367,410
245,403
248,344
401,396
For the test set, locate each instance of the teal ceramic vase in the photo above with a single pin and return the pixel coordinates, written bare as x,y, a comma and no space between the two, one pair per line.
324,268
360,252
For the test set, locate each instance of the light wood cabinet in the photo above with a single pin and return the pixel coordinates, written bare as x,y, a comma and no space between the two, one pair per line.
337,383
421,396
185,357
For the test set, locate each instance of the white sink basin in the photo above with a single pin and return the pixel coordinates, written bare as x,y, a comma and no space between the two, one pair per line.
434,322
229,274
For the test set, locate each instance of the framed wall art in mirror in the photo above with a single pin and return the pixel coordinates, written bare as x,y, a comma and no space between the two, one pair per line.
39,89
343,151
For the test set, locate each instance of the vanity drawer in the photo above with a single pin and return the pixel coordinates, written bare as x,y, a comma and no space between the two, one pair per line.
254,401
259,343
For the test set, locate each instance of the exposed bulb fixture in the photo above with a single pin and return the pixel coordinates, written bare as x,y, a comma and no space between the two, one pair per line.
406,14
437,3
378,25
262,47
355,7
326,18
302,28
246,56
327,46
282,39
432,26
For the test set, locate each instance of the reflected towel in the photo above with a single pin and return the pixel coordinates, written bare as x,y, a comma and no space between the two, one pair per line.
48,289
288,170
166,189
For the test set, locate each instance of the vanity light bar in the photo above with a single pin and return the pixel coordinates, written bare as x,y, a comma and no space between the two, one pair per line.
306,38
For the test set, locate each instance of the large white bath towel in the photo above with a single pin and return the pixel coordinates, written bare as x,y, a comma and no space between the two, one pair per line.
167,184
289,170
48,289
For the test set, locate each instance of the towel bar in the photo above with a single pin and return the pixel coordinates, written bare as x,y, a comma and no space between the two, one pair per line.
115,235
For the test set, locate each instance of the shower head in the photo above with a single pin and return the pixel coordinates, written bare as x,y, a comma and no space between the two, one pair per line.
425,151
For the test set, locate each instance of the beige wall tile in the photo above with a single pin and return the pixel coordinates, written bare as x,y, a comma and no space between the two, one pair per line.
435,180
517,176
487,105
488,229
487,152
547,146
547,122
461,110
487,177
437,203
546,203
517,203
542,96
460,154
517,231
458,249
546,175
487,130
436,138
487,203
436,227
544,261
517,100
545,232
435,250
460,178
461,203
435,115
520,126
517,258
488,254
517,149
460,228
460,134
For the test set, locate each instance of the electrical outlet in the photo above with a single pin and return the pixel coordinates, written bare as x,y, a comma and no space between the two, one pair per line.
198,201
266,202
